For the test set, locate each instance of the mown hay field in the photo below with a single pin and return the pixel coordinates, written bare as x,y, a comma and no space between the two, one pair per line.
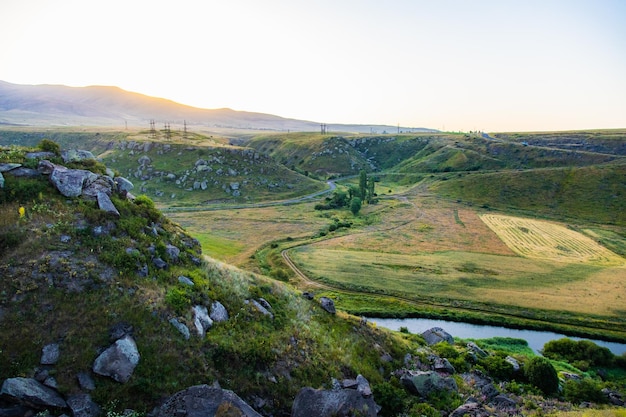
538,239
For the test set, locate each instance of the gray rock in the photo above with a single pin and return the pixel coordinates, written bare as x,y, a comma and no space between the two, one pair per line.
119,360
443,365
83,406
503,402
424,383
85,381
470,409
201,320
159,263
119,330
110,172
181,327
32,393
76,155
8,167
144,160
1,180
205,400
143,271
51,382
45,167
218,312
260,308
363,386
185,281
436,335
70,182
324,403
265,303
123,185
328,305
105,204
102,184
172,253
65,238
50,354
40,155
473,347
24,172
514,363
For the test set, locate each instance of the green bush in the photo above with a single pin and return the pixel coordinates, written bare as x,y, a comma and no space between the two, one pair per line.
586,389
582,353
48,145
540,373
497,367
178,299
391,398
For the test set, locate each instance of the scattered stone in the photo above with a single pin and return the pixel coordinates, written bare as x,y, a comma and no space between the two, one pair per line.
144,160
443,365
328,305
325,403
1,181
473,347
51,382
65,238
123,185
50,354
424,383
83,406
185,281
436,335
260,308
172,253
24,172
120,330
308,295
105,204
470,409
45,167
205,400
76,155
85,381
159,263
4,167
514,363
32,393
102,184
119,360
201,320
181,327
218,312
363,386
40,155
143,271
265,303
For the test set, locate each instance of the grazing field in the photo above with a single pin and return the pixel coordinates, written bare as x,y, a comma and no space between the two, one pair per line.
482,278
532,238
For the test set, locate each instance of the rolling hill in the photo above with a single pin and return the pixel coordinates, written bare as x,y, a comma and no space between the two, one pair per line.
58,105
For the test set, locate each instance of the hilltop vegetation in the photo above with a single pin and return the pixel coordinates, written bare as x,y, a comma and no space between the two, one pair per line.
70,271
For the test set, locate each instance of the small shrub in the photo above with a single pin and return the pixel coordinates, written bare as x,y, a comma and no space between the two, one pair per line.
178,299
586,389
497,367
540,373
390,397
423,410
48,145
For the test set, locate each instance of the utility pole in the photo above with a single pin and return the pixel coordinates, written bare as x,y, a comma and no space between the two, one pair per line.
323,128
184,129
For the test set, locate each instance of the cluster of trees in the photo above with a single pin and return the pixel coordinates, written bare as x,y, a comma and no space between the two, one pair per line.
353,198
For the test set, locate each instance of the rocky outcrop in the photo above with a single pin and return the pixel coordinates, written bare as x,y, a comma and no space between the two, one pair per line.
425,383
70,182
83,406
31,393
205,400
353,398
436,335
201,320
119,360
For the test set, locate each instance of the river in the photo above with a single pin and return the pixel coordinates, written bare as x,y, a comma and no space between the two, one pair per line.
536,339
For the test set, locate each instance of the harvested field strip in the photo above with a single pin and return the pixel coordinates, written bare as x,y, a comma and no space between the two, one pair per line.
545,240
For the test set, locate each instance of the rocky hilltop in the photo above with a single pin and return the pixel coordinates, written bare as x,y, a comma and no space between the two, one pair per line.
109,308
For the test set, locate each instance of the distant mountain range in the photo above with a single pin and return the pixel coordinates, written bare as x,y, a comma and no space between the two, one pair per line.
59,105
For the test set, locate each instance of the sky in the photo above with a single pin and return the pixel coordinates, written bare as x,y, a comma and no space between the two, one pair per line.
455,65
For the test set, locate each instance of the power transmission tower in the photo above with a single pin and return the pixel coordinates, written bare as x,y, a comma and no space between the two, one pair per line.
152,129
323,128
184,129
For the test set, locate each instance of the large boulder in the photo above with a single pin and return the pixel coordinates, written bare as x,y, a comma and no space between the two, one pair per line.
328,305
205,400
105,204
102,184
218,312
424,383
70,182
436,335
119,360
201,320
76,155
327,403
83,406
31,393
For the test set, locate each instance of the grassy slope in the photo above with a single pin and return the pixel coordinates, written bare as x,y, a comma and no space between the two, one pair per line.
73,292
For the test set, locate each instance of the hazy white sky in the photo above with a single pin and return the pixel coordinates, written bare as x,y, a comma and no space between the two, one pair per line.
444,64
